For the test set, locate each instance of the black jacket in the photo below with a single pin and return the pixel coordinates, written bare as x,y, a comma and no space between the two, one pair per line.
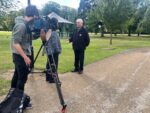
80,39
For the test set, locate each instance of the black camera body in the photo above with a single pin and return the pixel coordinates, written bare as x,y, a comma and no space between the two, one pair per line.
45,23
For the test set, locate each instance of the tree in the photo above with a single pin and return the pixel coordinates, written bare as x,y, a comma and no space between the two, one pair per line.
85,6
116,14
113,13
139,9
68,13
6,5
8,20
95,18
51,7
95,23
64,11
144,24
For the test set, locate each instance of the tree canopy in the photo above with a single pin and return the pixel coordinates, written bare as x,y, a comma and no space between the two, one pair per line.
116,16
64,11
6,5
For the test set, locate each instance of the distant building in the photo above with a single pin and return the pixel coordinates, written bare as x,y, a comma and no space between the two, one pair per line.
65,26
59,18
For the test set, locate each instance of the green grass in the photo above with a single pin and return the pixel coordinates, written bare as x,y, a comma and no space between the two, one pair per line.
4,85
5,33
99,49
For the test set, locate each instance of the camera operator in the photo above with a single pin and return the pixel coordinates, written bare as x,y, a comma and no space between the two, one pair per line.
21,43
53,49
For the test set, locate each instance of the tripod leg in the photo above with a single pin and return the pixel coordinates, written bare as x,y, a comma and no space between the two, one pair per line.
56,79
59,90
38,54
32,58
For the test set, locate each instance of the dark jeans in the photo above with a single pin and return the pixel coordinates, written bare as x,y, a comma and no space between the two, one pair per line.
53,64
21,73
79,59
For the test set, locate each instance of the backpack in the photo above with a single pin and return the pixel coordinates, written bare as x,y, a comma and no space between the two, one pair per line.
15,102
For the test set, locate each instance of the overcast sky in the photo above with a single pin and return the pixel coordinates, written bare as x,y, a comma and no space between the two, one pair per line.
40,3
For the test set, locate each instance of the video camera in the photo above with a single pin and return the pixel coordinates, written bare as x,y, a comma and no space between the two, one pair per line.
45,23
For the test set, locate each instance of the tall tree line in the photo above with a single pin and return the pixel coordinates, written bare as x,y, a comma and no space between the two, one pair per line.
64,11
8,14
116,16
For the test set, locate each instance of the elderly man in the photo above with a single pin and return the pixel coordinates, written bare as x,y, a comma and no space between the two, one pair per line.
80,40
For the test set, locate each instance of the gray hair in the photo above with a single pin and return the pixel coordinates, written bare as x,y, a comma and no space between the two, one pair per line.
80,20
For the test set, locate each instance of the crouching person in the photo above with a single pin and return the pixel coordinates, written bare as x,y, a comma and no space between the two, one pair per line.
52,49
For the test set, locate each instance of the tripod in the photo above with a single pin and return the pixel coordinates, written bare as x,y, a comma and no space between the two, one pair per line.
53,71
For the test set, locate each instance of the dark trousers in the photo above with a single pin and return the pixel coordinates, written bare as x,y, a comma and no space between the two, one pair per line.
20,74
53,66
79,59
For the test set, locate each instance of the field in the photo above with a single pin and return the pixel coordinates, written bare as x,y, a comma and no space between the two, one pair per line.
99,49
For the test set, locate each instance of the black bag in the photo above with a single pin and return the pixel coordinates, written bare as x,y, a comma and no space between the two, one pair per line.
15,102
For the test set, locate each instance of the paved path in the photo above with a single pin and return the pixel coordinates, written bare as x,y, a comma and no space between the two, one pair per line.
119,84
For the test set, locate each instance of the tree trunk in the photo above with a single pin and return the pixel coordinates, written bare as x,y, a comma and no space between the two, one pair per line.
102,31
138,34
129,32
102,34
111,38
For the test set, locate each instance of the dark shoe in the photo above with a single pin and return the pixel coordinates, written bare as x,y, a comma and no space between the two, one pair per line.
74,71
48,77
47,80
27,102
80,72
29,106
51,81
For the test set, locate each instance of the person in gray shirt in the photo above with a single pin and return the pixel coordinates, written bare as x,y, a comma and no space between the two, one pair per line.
53,49
21,47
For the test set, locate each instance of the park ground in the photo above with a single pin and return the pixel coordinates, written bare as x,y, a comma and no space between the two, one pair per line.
121,80
118,84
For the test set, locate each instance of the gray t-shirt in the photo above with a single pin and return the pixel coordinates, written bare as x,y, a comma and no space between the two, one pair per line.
54,45
20,36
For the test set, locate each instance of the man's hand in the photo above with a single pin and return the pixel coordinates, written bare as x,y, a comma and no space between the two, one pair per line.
21,52
27,60
43,35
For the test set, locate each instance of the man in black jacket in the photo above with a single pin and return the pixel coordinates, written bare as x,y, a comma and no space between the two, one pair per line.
80,40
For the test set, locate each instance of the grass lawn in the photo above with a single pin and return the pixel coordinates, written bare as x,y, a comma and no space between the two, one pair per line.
4,85
99,49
